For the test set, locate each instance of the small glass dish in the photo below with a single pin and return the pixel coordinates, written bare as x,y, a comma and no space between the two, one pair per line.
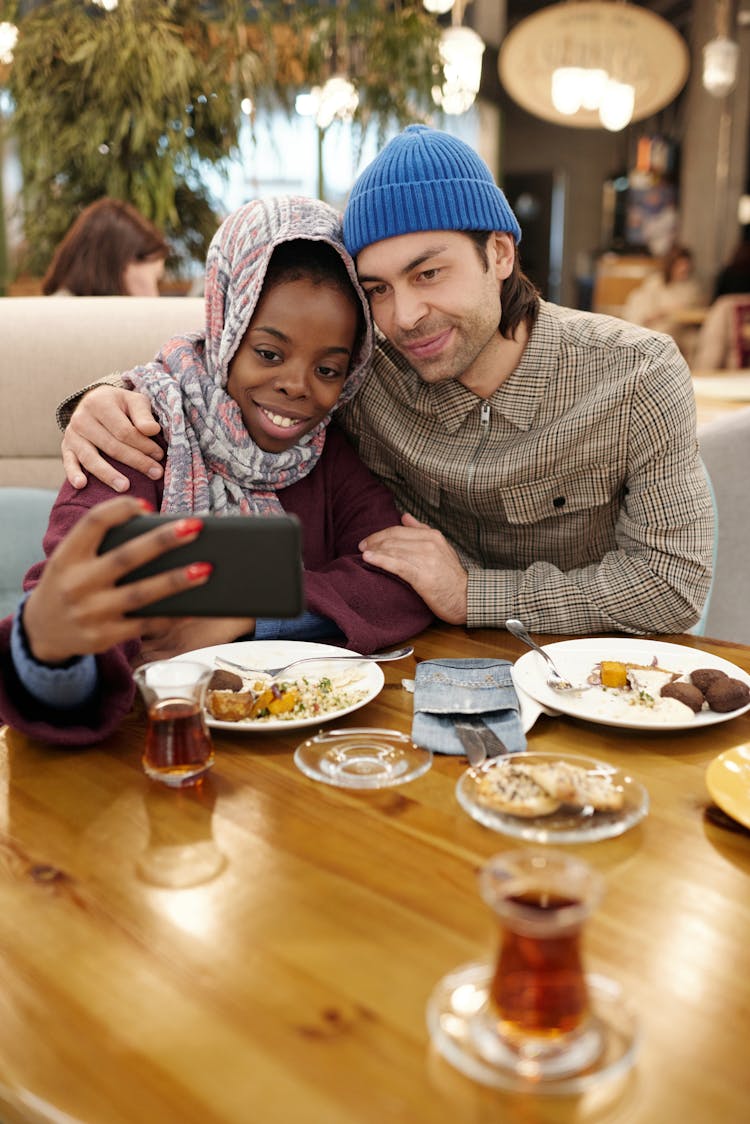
362,758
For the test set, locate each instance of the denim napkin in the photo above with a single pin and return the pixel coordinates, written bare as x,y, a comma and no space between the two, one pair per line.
448,690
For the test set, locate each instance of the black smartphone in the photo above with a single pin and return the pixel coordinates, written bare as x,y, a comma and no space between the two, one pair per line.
257,562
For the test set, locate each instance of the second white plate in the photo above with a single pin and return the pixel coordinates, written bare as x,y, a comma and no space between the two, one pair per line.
576,658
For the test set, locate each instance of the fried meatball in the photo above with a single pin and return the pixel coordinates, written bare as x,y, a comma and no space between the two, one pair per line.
685,693
225,681
705,675
727,694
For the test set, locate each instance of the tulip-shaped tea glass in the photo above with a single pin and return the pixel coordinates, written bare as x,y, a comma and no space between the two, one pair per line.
531,1019
178,749
537,1015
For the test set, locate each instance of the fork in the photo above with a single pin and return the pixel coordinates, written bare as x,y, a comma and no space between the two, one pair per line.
556,681
278,672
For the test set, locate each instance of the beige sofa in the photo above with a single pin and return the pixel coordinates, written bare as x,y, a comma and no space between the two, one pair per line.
51,346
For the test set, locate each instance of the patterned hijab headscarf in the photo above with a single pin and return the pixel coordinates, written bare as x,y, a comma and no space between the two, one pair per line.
213,465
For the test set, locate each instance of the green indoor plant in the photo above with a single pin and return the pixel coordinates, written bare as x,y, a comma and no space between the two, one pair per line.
131,102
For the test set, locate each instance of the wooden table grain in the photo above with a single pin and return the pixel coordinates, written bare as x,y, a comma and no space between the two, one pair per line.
262,949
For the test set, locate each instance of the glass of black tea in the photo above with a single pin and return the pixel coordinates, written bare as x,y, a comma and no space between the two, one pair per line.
178,749
537,1015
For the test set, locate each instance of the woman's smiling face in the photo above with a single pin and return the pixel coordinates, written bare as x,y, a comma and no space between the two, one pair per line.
293,361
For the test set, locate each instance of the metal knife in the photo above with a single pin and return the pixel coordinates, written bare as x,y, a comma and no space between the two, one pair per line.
479,741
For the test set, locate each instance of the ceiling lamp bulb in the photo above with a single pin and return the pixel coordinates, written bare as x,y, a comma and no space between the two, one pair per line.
461,51
8,40
453,98
616,109
720,59
592,88
438,7
338,98
567,89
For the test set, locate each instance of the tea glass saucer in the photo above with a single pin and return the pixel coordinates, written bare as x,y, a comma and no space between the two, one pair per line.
362,758
457,1019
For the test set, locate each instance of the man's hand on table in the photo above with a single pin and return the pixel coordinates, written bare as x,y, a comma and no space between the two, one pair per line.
119,423
421,556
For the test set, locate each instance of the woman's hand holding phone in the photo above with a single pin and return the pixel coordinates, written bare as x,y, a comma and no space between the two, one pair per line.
79,609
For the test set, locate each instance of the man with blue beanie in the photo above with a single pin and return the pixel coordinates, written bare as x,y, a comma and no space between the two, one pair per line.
545,459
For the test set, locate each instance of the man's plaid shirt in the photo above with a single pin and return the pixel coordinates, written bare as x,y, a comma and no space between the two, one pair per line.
574,495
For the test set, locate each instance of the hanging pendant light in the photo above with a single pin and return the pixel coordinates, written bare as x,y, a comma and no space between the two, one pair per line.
438,7
593,63
8,40
461,51
721,57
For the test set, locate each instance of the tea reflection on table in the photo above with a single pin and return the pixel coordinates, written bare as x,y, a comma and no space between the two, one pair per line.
181,850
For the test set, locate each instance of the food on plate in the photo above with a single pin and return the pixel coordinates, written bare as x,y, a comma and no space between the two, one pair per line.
612,673
258,698
656,695
223,680
702,676
572,784
727,694
686,693
229,705
520,788
514,791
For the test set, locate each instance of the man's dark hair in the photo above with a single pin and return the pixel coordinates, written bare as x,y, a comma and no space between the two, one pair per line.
519,296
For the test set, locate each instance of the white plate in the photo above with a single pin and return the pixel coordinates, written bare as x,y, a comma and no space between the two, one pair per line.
271,653
576,658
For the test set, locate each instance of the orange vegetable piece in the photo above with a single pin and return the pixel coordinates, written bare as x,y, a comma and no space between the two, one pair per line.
614,674
287,702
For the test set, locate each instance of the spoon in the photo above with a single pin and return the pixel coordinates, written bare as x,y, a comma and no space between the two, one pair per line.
556,681
277,672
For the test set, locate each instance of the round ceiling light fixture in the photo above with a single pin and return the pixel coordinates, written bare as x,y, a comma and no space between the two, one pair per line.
593,64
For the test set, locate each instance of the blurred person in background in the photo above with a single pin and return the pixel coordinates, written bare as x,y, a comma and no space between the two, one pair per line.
724,339
734,277
110,250
669,290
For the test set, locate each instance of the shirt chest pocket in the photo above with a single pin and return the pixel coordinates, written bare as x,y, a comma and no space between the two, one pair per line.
559,497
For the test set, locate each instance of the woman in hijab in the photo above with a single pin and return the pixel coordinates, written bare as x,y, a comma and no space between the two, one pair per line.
245,408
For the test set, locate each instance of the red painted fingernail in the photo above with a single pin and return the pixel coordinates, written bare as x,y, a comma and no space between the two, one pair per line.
185,527
145,505
198,570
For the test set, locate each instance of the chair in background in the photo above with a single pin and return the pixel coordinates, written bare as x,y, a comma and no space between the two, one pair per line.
725,448
24,514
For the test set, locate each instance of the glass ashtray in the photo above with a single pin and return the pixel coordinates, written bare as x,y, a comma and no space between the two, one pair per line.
362,758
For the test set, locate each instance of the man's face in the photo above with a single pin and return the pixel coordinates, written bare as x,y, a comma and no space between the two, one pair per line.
433,298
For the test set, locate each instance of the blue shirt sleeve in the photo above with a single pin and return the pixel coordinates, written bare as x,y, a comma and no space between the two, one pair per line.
63,688
307,626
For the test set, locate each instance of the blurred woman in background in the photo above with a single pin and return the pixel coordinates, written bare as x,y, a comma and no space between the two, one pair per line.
110,250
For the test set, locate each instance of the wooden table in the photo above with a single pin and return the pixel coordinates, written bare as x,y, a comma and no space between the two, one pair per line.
290,986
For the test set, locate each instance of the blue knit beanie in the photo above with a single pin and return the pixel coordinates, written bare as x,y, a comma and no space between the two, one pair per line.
424,180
